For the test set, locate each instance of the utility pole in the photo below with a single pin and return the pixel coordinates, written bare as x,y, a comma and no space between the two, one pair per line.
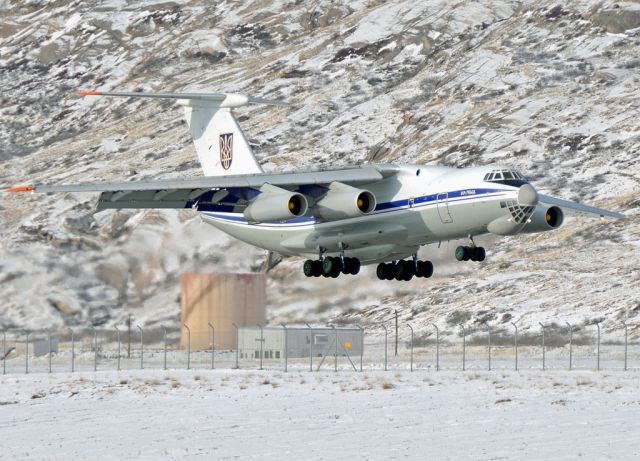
396,311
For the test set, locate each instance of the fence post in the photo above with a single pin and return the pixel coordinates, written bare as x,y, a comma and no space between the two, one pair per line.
335,353
4,352
310,347
213,346
261,344
488,343
625,345
73,352
361,345
49,338
543,351
164,337
386,333
570,344
95,348
411,353
396,312
286,351
237,346
464,347
516,343
141,347
598,350
188,346
437,346
118,334
26,354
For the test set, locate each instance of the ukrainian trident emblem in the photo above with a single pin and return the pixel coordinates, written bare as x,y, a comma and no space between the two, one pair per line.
226,150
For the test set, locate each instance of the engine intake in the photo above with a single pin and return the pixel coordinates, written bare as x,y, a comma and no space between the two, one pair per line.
544,218
276,204
343,201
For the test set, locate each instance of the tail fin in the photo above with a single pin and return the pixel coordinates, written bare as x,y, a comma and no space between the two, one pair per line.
220,143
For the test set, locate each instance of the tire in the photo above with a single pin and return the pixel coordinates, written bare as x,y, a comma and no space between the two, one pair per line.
428,269
389,271
317,268
328,266
381,271
467,253
461,253
307,268
355,268
346,266
481,254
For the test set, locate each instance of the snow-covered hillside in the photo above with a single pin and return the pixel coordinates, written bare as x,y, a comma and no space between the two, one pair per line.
550,88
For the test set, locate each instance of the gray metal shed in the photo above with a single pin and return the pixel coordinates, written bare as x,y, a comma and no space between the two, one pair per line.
301,342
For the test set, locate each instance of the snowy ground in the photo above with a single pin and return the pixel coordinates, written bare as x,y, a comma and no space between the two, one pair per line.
299,415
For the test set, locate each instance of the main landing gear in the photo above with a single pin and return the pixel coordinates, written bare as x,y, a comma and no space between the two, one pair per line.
331,267
404,270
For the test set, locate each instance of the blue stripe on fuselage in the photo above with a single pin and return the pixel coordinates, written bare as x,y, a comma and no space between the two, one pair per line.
453,196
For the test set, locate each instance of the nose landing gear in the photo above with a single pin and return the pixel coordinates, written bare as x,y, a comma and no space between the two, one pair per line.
465,253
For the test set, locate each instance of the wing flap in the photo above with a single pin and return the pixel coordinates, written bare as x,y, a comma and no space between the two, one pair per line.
579,207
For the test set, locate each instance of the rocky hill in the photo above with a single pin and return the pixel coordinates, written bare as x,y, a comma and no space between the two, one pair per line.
550,88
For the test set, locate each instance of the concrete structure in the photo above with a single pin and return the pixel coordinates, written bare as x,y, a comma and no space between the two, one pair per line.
222,300
300,342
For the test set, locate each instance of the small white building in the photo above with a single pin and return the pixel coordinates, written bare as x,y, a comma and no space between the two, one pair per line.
300,342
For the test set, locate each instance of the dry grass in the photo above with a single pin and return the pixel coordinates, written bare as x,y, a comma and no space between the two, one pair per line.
124,381
503,400
175,384
387,385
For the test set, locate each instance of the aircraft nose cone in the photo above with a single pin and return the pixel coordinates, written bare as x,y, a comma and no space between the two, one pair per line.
527,195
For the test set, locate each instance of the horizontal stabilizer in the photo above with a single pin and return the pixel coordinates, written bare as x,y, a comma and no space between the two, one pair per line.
218,99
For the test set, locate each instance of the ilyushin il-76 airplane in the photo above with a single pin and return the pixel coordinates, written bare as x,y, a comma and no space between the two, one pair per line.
338,219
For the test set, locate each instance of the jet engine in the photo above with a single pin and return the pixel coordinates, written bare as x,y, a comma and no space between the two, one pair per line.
275,204
544,218
343,201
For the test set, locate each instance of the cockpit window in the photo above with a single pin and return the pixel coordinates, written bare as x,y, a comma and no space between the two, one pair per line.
509,177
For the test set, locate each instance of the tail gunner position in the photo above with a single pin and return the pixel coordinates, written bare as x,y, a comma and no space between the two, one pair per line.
338,219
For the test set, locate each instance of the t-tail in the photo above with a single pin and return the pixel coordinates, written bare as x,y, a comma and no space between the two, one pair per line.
221,145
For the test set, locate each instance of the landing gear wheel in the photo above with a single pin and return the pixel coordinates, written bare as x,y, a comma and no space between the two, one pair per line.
388,271
381,271
317,268
405,270
331,266
307,268
424,269
355,266
462,253
479,254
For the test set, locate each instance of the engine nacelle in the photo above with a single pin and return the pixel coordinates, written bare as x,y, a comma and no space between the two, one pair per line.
343,201
276,204
544,218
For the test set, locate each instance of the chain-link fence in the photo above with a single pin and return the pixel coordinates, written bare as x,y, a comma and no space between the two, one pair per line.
382,346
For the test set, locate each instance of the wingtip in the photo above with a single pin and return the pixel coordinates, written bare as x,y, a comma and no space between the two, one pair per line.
89,93
21,189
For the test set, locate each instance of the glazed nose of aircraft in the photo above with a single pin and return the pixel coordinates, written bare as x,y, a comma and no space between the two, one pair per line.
527,195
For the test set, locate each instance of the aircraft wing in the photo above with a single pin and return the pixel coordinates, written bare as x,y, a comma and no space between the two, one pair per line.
578,207
222,193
